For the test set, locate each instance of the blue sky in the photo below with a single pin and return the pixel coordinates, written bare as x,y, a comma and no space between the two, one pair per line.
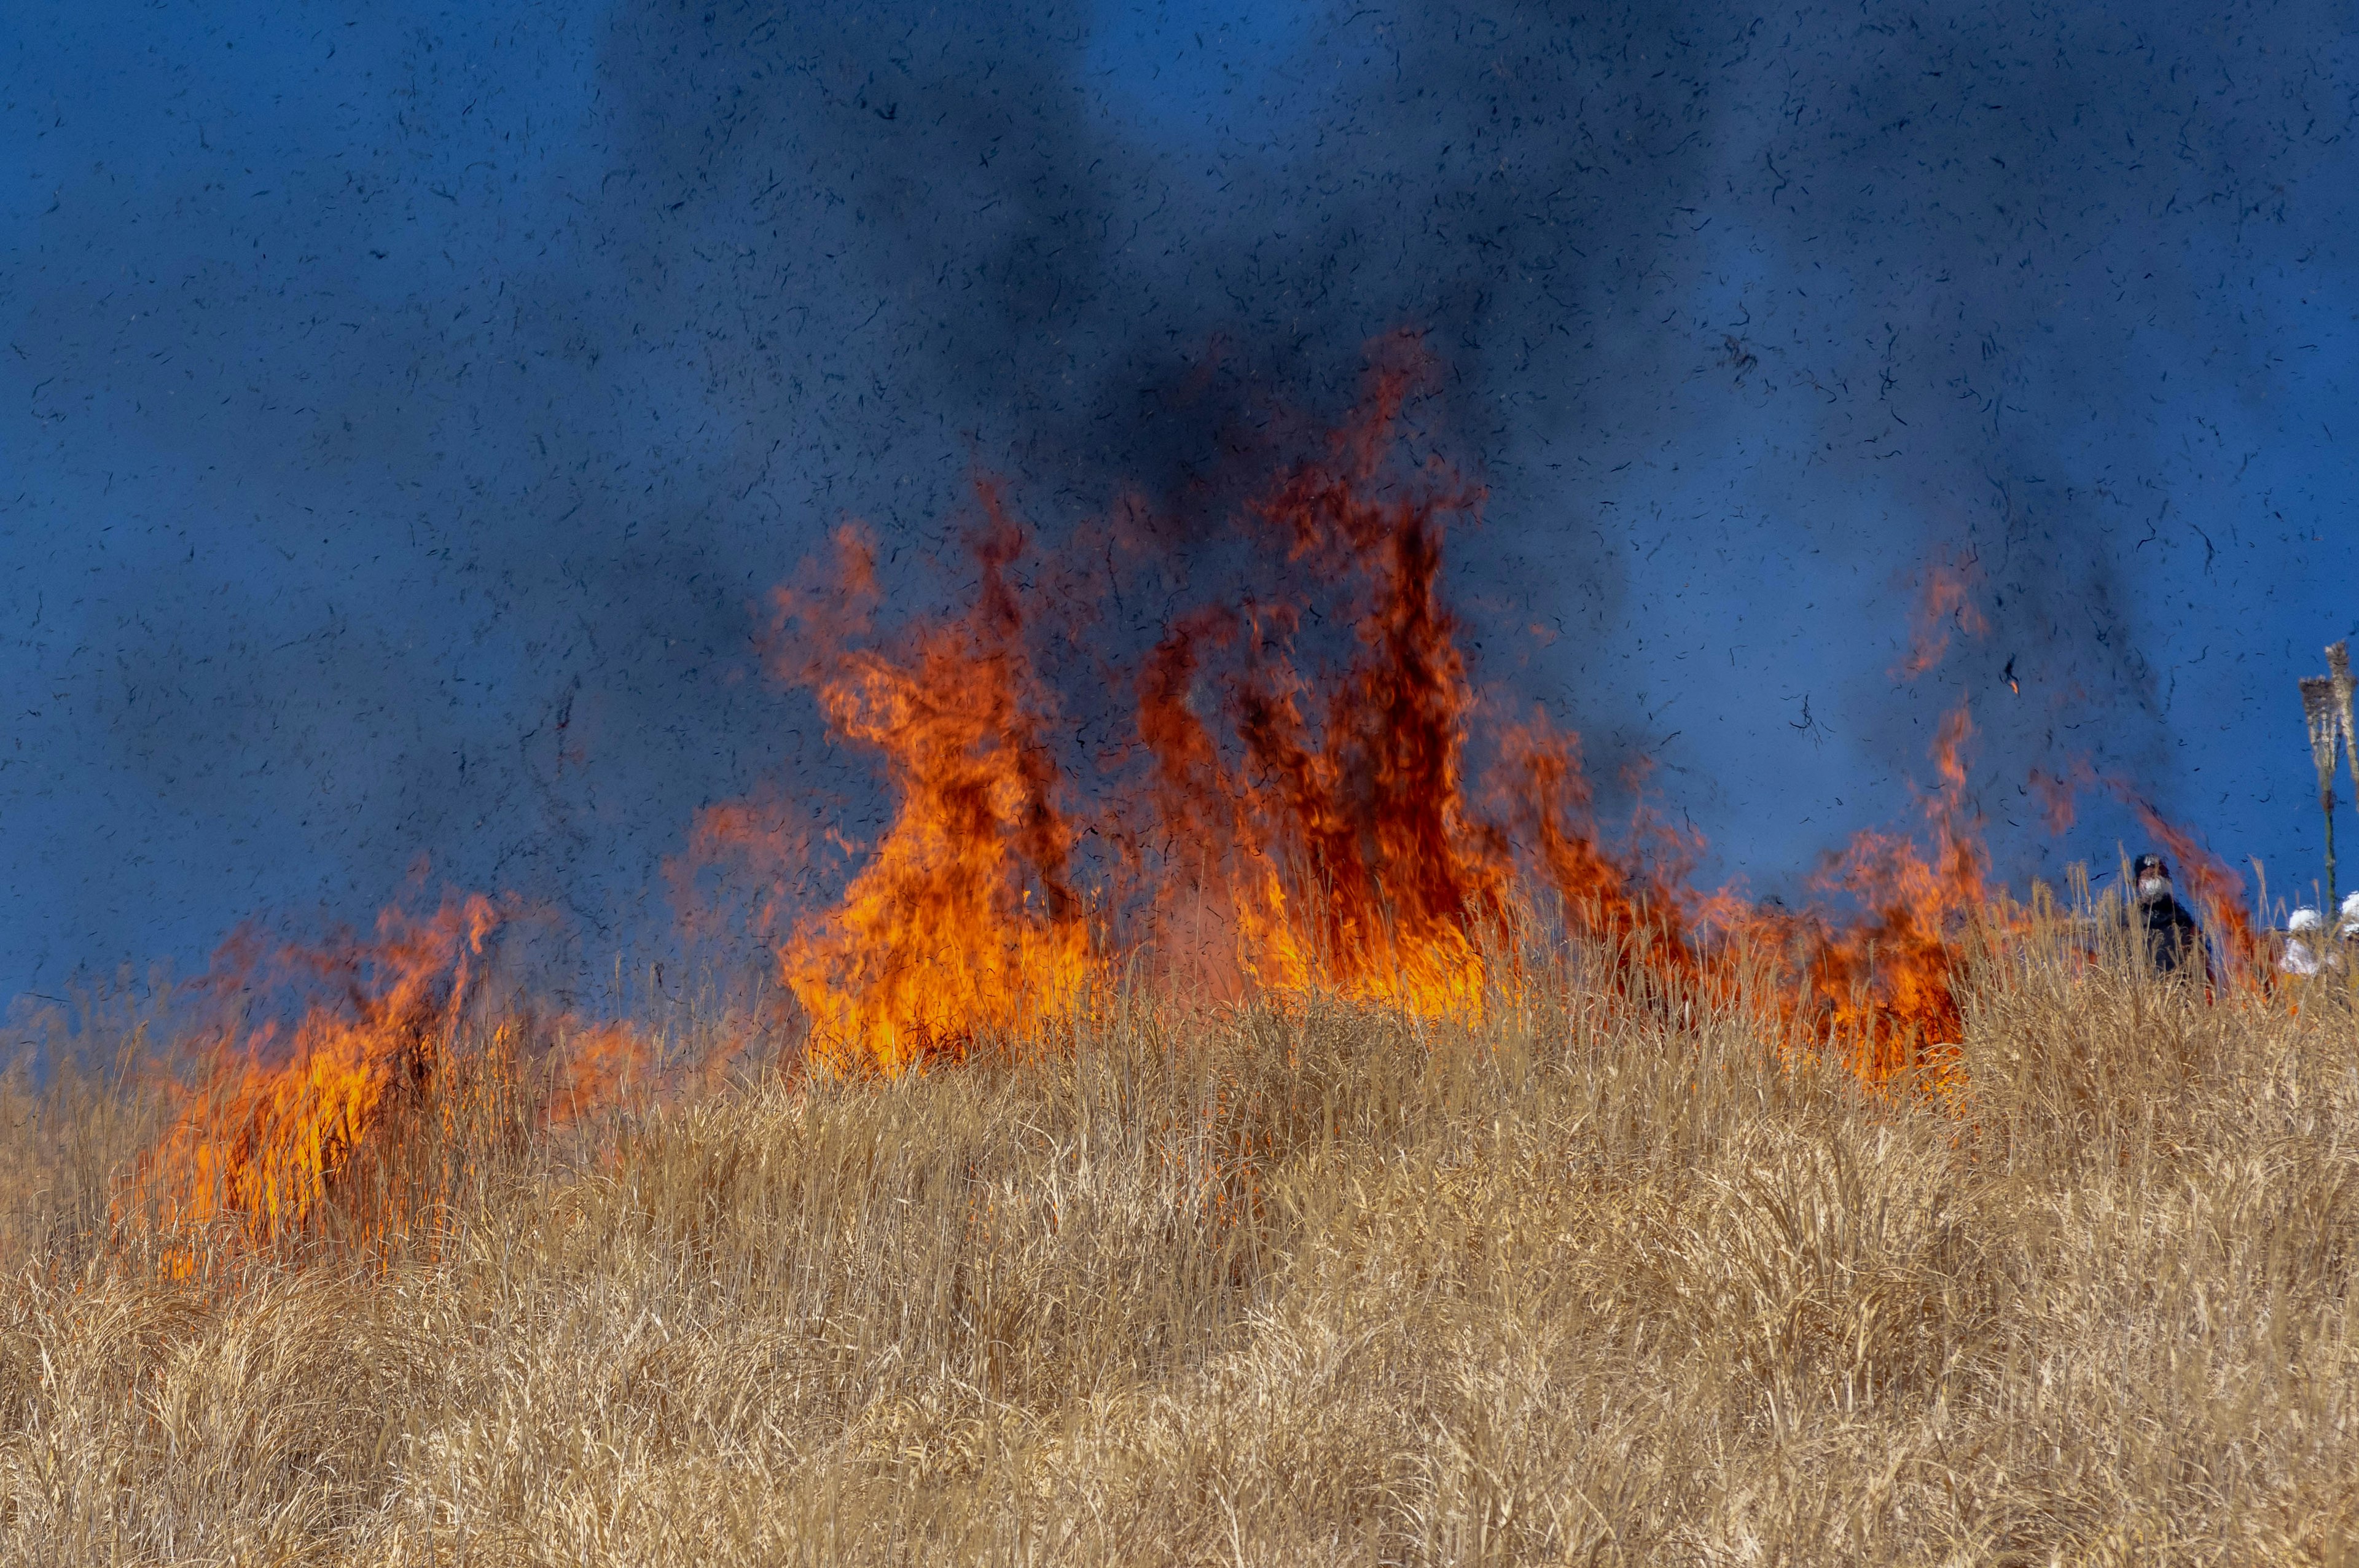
402,409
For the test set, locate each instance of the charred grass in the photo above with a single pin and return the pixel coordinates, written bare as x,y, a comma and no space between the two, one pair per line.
1588,1282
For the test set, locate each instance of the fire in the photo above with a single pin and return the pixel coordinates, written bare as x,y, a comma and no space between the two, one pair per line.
266,1142
1647,920
962,922
1310,794
1297,824
593,1066
1948,602
1340,843
1888,980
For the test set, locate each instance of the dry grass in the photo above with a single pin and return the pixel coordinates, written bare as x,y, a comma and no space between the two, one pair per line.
1278,1287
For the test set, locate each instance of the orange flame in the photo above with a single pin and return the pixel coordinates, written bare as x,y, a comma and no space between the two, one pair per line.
592,1067
1642,918
1292,825
1888,981
1340,846
1948,601
265,1145
963,922
1297,828
1300,826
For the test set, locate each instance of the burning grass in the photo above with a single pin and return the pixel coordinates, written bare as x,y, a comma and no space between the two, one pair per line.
1589,1277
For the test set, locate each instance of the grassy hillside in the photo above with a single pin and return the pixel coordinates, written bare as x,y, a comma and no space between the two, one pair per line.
1597,1279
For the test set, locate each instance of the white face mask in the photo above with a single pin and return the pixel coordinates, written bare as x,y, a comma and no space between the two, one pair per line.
2154,888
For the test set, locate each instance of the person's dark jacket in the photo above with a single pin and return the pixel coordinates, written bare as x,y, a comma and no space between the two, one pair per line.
2166,934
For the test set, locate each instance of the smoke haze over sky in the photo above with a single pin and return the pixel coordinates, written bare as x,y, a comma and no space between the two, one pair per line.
404,411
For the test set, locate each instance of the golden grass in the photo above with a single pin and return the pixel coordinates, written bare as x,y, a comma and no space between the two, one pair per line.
1281,1286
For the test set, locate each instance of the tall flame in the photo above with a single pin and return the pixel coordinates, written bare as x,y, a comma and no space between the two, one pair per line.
963,922
1341,842
1888,980
1298,825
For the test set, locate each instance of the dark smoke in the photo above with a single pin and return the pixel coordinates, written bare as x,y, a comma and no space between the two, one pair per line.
413,411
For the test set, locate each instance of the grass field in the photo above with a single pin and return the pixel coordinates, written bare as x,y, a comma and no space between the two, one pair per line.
1597,1279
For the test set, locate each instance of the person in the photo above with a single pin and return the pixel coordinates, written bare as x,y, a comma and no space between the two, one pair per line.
2305,938
2167,933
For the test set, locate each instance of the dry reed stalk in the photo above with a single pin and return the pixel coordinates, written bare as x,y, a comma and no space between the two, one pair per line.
2320,710
2338,665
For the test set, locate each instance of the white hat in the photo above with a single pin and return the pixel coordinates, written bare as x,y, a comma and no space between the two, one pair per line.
2306,920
